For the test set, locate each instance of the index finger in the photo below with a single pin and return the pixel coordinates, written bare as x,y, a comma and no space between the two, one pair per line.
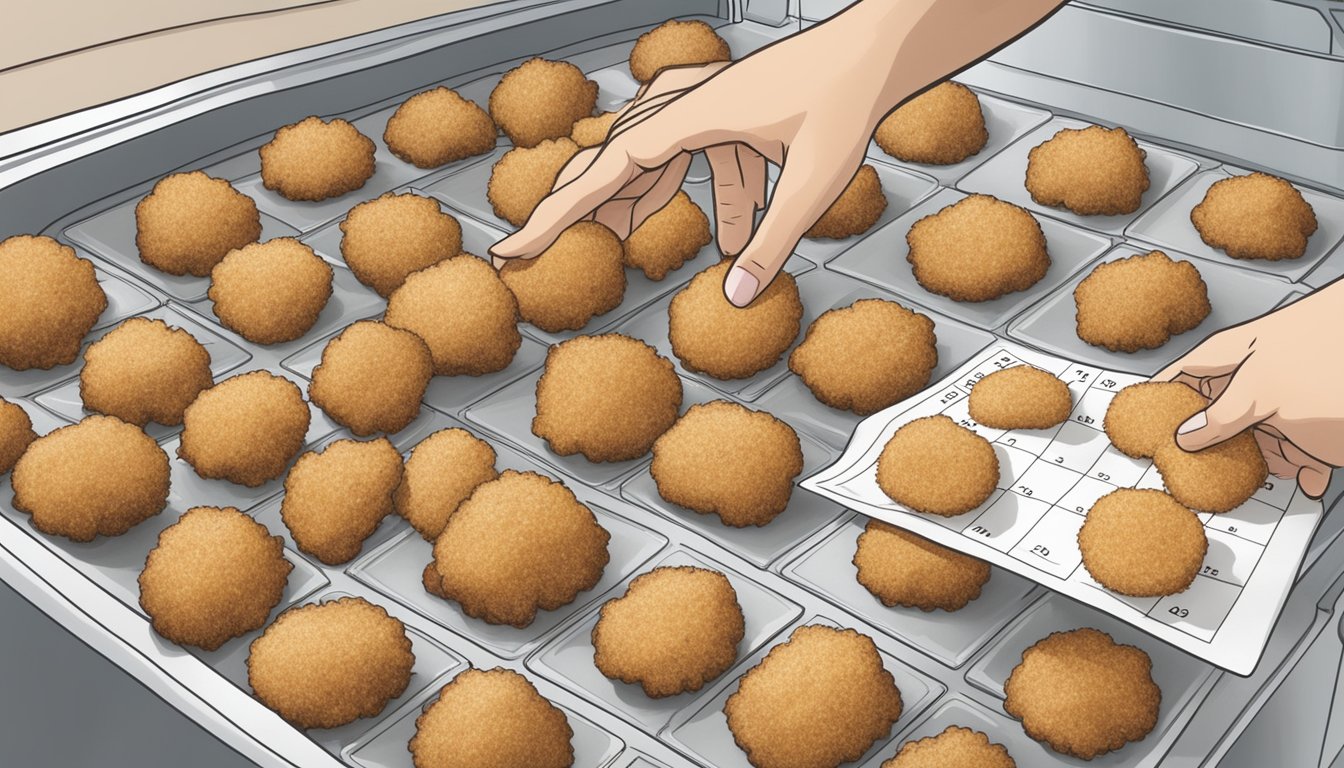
1218,355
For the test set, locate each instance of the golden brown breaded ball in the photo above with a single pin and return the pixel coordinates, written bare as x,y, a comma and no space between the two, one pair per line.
1021,397
955,746
270,292
866,356
437,127
51,300
1217,479
519,544
591,131
372,378
673,630
525,175
463,311
855,211
387,239
215,574
942,126
441,473
819,699
1083,694
710,335
669,238
323,665
698,463
903,568
608,397
581,276
676,44
144,370
314,159
190,221
1142,543
936,466
100,477
1143,417
16,432
540,100
1140,302
335,499
245,429
978,249
1255,217
491,719
1092,171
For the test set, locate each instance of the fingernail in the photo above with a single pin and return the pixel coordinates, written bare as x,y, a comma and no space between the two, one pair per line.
501,249
1196,422
740,286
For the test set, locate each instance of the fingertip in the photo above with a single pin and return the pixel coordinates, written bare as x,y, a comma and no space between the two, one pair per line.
1313,481
740,286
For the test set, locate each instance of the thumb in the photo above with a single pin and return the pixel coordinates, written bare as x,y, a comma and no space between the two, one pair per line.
1235,411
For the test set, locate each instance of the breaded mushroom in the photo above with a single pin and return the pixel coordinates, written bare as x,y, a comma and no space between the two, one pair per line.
676,43
245,429
190,221
591,131
323,665
936,466
857,209
669,238
1143,417
541,99
903,568
521,543
710,335
372,378
437,127
581,276
270,292
442,472
942,126
385,240
978,249
100,477
955,746
214,575
463,311
1092,171
1142,543
699,463
1021,397
1140,302
16,433
335,498
491,719
144,370
525,175
608,397
866,356
1217,479
1257,216
313,160
51,299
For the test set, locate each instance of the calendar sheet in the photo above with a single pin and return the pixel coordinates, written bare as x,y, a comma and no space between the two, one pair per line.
1049,480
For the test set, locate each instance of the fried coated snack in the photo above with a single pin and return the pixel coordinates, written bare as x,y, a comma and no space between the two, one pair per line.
902,568
144,370
313,160
855,211
383,241
519,544
1255,217
270,292
591,131
1092,171
51,300
491,719
607,397
1083,694
100,477
16,432
1219,478
942,126
674,629
244,429
441,473
190,221
437,127
936,466
819,699
676,44
335,499
1142,543
1021,397
214,575
525,175
978,249
463,312
578,278
710,335
372,378
323,665
1140,302
1143,417
866,356
698,463
669,238
541,99
955,746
